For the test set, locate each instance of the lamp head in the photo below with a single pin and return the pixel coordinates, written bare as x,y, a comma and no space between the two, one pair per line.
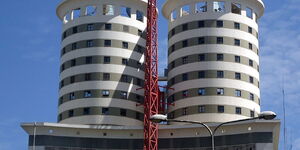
158,118
267,115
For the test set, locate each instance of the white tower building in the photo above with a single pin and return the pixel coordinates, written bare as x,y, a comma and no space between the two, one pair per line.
213,59
102,61
213,73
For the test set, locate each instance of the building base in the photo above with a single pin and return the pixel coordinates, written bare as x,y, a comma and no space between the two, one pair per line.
250,135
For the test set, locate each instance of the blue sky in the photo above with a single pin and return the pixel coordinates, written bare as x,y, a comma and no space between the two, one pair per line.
30,44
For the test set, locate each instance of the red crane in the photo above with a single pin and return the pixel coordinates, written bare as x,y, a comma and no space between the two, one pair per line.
151,79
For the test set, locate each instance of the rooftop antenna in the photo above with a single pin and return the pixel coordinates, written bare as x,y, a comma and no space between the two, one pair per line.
284,112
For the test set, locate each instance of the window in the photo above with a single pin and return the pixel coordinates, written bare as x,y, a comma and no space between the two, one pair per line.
238,76
171,115
138,97
250,46
201,74
185,10
173,81
201,109
256,17
201,7
237,25
89,60
237,59
125,28
238,93
108,10
71,113
62,67
201,91
62,84
220,57
124,78
238,110
106,59
220,91
67,18
88,77
60,117
219,40
72,96
91,10
125,61
86,111
139,64
201,57
201,24
64,35
107,43
107,26
220,109
185,77
74,46
184,60
185,93
173,32
251,113
250,30
173,48
220,74
139,82
184,27
251,96
90,27
123,95
251,79
76,13
249,13
106,76
250,62
139,16
137,116
219,6
172,98
140,32
73,62
123,112
87,94
125,45
105,93
219,24
139,49
201,40
72,79
75,30
89,43
184,43
237,42
172,64
173,15
184,111
126,11
105,111
236,8
63,51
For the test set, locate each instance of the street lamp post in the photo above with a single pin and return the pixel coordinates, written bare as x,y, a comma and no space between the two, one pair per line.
266,115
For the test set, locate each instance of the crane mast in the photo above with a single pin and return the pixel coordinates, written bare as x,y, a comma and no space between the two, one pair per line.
151,79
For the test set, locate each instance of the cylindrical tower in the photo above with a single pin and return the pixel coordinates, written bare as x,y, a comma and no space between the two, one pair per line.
103,43
213,61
